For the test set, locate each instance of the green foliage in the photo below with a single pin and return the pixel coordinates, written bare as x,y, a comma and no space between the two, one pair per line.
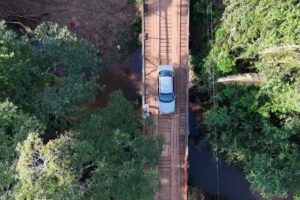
128,43
195,193
124,159
14,127
258,127
249,27
200,33
283,86
297,196
47,75
44,80
6,180
139,3
199,9
43,169
282,168
269,158
106,157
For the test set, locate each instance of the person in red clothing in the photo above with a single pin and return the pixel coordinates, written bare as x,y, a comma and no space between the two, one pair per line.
74,23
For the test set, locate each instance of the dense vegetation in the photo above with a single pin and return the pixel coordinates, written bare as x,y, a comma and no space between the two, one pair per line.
255,122
50,147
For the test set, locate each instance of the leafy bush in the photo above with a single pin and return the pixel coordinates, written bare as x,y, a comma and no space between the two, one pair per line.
44,79
50,74
258,127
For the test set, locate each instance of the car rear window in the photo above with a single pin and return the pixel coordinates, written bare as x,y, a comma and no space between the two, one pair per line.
165,73
166,97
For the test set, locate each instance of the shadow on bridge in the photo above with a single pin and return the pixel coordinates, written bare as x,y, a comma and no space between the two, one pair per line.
152,7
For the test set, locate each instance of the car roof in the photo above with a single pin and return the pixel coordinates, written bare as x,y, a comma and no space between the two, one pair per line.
165,84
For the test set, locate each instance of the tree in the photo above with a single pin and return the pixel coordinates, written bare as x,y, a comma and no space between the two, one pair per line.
248,28
282,168
280,66
43,170
278,77
101,159
48,75
43,80
116,160
49,149
257,127
264,151
195,193
14,126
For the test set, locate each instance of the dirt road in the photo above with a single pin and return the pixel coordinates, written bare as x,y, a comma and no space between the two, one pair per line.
166,42
105,23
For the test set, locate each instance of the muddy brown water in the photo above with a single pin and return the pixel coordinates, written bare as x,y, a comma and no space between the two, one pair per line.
125,76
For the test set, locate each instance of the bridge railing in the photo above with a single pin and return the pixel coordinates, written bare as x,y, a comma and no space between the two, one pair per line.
143,52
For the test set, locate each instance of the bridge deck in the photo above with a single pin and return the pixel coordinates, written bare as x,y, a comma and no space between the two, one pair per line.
165,27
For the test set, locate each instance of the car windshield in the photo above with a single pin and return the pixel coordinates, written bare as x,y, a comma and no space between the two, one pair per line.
166,97
165,73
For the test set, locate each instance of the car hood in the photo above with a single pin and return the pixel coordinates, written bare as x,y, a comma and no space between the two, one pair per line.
166,108
165,67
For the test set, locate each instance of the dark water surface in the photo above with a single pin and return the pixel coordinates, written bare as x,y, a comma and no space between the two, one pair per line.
203,170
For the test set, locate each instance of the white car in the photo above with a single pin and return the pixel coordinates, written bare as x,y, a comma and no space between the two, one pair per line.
166,96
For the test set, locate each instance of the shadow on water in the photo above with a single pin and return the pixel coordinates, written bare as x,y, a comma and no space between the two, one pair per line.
126,76
203,169
202,163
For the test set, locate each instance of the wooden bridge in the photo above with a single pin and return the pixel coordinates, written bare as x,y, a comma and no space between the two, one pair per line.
165,41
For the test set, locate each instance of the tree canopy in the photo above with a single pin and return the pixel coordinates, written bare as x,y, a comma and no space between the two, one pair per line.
50,147
257,127
14,127
122,161
48,74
